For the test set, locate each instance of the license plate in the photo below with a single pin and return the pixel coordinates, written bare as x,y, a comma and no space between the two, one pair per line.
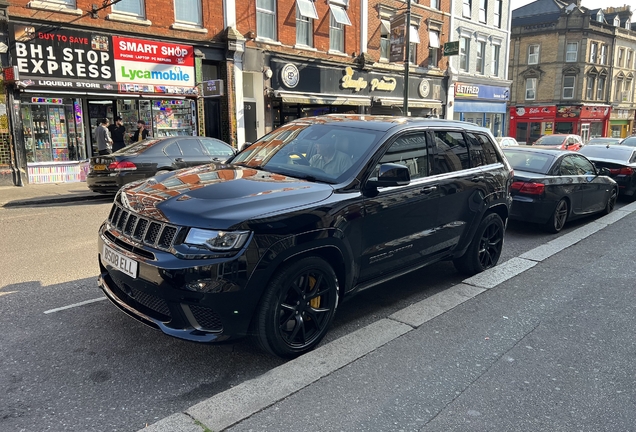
99,167
119,262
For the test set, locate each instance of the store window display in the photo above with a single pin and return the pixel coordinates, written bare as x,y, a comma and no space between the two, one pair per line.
52,130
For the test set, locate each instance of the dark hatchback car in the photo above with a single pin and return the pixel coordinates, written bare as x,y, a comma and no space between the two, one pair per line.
620,160
146,158
551,187
319,209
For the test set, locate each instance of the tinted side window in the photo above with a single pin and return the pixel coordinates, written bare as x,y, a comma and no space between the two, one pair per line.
567,167
216,148
410,151
191,147
172,150
452,152
482,150
583,166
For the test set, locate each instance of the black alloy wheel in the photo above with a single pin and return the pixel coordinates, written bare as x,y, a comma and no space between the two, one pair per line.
559,217
611,201
297,308
485,249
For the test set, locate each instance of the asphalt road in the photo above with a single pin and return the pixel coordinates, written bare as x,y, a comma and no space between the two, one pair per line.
91,368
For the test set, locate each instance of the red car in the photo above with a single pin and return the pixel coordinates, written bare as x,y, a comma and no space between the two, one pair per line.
560,142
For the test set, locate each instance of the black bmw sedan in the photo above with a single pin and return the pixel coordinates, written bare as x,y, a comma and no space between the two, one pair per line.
551,187
268,244
146,158
620,160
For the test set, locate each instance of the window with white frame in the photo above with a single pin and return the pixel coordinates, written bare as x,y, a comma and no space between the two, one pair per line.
130,7
266,19
571,51
621,57
433,48
385,32
568,86
533,54
70,3
627,93
435,4
482,11
629,64
188,12
589,95
593,52
496,50
414,40
305,16
466,8
600,88
617,21
618,89
628,24
600,17
464,53
602,58
481,57
497,12
531,88
336,34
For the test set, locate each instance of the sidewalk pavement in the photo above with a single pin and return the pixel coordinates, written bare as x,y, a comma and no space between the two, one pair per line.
32,194
542,342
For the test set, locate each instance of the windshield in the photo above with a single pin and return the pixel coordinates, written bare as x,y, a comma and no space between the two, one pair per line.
323,152
602,152
554,140
526,161
631,141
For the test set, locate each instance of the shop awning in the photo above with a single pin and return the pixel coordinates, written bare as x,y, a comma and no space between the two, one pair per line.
413,103
340,15
322,99
307,9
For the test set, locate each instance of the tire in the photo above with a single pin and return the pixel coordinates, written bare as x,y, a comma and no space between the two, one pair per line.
485,248
559,217
297,308
611,202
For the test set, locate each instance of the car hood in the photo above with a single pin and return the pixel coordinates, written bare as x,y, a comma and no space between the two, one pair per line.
219,196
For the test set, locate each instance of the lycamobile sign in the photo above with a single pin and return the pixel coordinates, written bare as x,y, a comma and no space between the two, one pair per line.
140,61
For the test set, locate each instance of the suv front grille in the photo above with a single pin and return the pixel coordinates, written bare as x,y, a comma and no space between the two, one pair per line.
141,229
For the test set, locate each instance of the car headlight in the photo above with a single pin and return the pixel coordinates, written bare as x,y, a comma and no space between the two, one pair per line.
217,240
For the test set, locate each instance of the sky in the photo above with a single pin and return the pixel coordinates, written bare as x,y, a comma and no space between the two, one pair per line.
590,4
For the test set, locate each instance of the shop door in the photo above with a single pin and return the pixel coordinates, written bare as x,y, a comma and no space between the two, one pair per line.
585,132
212,118
97,110
249,117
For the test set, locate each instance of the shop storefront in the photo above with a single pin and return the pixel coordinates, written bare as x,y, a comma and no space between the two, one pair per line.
70,79
303,90
621,123
529,123
483,105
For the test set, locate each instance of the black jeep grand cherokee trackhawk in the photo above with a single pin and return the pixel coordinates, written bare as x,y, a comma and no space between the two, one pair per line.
321,208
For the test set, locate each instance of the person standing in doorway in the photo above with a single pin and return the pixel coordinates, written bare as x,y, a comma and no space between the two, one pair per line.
117,133
102,136
141,133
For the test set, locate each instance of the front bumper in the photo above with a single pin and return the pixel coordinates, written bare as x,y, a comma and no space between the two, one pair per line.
196,300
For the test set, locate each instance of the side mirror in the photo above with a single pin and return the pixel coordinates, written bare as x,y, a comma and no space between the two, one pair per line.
390,174
245,145
604,171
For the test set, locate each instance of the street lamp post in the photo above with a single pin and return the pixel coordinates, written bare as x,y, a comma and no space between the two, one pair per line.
407,29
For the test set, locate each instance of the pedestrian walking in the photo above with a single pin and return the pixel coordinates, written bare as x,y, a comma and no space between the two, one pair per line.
141,133
102,136
118,133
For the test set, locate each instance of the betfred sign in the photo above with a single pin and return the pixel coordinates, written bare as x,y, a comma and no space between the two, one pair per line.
47,52
139,61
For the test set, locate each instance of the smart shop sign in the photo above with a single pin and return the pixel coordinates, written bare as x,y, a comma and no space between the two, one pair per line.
144,62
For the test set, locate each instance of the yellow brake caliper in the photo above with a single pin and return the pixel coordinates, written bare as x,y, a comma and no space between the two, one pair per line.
314,302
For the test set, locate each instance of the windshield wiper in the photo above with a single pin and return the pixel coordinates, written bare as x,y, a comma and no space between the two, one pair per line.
244,165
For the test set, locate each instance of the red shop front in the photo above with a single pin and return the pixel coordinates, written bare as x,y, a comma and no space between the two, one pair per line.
528,124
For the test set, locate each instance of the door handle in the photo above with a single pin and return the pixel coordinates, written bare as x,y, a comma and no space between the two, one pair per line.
477,179
428,190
